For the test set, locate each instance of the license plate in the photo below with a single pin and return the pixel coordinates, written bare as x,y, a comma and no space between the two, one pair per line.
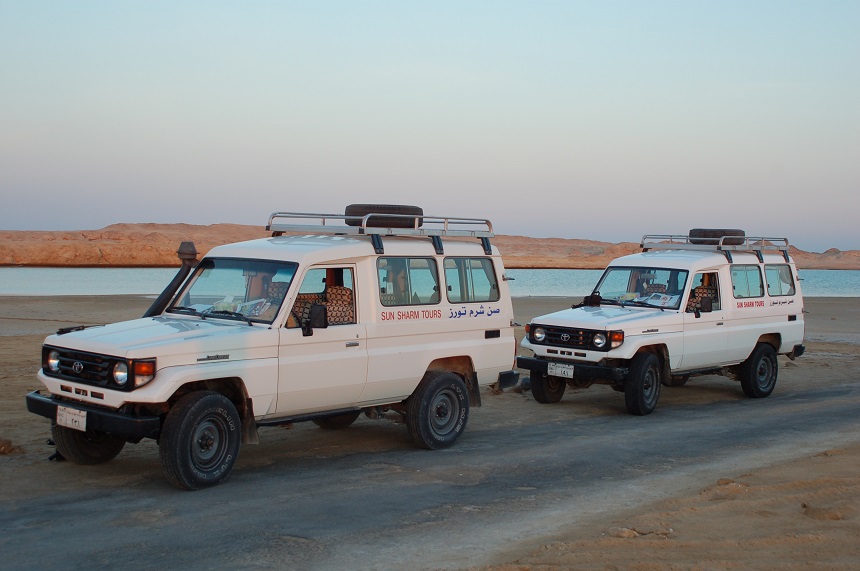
72,418
559,370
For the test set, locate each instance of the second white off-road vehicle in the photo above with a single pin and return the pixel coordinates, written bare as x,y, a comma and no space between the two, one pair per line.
711,302
379,309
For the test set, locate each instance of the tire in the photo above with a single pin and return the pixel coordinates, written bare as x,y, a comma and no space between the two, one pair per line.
758,373
199,441
546,389
88,447
711,236
676,380
642,385
407,221
337,422
438,410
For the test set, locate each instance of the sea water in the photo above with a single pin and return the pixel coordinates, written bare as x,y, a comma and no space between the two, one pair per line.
17,281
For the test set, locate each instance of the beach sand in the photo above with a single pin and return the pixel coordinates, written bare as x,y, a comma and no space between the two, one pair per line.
801,514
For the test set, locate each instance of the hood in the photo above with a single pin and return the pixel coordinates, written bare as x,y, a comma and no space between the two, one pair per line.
173,340
631,320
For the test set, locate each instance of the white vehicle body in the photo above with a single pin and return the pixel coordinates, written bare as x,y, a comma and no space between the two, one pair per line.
277,360
753,300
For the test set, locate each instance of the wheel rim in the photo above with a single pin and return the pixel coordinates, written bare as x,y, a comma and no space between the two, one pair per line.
649,385
764,374
209,443
554,384
444,412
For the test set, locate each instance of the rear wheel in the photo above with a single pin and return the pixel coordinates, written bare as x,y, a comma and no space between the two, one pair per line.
199,441
642,386
437,412
337,422
758,373
546,389
86,447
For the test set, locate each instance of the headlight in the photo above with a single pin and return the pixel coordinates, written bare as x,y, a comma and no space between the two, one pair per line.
120,373
539,334
599,340
54,361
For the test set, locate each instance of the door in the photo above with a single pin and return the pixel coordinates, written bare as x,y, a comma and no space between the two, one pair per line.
326,370
705,333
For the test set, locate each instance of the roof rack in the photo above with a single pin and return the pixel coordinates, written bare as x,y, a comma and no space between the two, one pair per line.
280,222
725,244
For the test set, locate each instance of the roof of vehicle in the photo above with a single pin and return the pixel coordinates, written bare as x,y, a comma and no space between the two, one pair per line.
322,248
694,259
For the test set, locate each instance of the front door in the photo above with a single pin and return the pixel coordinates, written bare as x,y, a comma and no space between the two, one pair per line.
328,369
705,336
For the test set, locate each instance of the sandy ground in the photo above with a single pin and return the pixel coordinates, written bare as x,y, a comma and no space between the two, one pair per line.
802,514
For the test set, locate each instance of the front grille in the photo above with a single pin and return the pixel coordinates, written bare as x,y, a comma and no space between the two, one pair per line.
567,337
88,368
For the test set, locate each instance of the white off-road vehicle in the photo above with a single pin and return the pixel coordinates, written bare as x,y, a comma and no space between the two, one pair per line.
711,302
376,310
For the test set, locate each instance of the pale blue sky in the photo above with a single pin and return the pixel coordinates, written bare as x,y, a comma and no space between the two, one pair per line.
596,120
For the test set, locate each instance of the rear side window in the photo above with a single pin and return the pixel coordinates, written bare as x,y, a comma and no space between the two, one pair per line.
779,280
408,281
747,282
471,280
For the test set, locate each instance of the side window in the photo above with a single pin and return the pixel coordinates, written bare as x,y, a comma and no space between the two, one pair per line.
747,282
471,279
331,287
407,281
704,285
779,280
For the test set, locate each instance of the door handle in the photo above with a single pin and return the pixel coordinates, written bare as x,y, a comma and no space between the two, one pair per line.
352,343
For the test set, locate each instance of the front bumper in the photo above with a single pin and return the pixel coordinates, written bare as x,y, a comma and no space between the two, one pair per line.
98,420
581,370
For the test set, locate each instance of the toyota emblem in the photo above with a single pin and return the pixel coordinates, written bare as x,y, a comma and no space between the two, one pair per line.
78,367
564,337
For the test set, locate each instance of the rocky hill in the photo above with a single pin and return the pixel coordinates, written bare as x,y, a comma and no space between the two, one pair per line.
154,245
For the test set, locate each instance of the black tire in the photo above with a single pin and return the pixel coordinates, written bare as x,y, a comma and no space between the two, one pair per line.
546,389
407,221
86,447
676,380
199,441
642,385
758,373
438,410
337,422
711,236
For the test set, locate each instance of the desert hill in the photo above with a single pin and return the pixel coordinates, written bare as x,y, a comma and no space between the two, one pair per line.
154,245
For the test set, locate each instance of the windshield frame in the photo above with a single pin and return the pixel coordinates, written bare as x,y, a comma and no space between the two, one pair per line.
251,302
638,277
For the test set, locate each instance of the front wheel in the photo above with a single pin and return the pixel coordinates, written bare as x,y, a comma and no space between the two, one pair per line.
437,412
546,389
200,440
642,385
88,447
758,372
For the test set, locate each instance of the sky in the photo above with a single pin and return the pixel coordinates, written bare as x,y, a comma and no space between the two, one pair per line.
592,120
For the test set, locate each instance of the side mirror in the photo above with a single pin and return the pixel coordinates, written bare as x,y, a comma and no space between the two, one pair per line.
706,305
318,320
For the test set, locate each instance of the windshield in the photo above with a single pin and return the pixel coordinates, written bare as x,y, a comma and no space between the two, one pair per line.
247,290
654,287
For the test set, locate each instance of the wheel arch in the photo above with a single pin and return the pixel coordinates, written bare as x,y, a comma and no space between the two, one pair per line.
233,388
464,367
661,351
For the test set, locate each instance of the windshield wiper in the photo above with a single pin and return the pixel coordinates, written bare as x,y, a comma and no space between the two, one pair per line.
638,303
183,309
233,314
